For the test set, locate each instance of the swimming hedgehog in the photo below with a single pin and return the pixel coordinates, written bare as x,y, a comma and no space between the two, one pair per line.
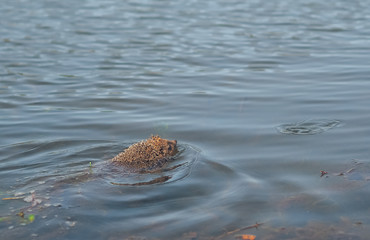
148,154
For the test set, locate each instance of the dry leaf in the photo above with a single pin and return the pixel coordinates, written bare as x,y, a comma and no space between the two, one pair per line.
248,237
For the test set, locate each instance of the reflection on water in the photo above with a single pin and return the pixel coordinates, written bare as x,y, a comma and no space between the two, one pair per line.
82,80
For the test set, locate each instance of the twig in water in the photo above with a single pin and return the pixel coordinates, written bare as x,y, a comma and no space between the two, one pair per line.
12,198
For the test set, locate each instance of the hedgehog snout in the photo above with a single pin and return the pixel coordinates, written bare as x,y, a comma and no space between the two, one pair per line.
172,145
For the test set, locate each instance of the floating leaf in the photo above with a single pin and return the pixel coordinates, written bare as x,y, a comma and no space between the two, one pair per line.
21,214
248,237
31,218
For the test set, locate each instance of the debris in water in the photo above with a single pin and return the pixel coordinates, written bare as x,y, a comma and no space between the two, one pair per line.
354,173
28,198
32,199
240,229
21,214
17,194
246,237
71,223
12,198
31,218
323,173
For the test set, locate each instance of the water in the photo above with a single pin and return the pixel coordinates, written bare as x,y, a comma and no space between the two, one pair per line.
82,80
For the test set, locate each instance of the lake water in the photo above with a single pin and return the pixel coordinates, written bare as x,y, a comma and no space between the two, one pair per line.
261,96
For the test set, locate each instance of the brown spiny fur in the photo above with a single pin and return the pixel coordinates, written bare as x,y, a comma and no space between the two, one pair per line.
148,154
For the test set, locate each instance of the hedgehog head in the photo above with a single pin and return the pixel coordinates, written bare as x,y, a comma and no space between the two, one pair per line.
164,146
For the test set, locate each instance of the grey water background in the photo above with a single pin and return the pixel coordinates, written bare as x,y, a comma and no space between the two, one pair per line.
82,80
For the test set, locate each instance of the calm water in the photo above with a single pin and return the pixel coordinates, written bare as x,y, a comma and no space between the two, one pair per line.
260,95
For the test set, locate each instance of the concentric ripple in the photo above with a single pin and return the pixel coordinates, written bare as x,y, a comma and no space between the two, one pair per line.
177,169
308,127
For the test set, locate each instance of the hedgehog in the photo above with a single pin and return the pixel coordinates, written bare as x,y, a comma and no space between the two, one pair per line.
148,154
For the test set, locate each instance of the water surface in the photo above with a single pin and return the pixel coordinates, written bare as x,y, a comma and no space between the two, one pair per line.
82,80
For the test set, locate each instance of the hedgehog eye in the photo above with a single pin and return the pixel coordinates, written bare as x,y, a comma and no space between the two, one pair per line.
169,147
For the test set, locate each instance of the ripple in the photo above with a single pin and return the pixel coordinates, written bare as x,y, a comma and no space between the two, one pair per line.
308,127
179,168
